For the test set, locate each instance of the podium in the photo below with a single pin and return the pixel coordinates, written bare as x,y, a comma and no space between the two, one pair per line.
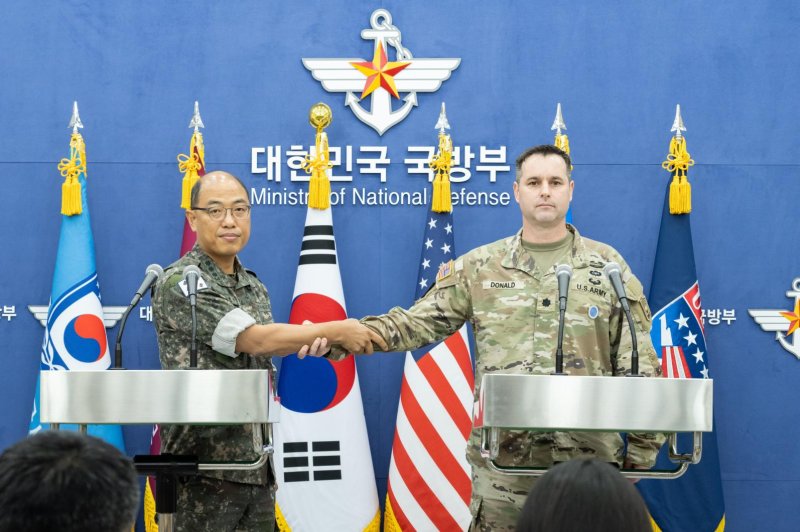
173,397
548,403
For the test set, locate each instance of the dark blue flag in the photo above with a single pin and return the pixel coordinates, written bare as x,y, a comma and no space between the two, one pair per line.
693,502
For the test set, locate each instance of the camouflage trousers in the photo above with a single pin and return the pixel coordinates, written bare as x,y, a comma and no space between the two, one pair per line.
497,498
212,505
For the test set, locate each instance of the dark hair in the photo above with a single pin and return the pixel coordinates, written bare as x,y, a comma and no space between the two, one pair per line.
199,185
544,150
68,482
584,494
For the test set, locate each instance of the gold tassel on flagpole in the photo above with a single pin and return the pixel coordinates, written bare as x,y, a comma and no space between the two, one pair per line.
71,202
441,163
189,165
318,164
678,163
562,143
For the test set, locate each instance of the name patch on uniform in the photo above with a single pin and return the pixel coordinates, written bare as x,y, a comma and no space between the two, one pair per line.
201,285
489,285
445,270
591,289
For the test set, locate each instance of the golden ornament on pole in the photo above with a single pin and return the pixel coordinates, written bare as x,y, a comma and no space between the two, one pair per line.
318,164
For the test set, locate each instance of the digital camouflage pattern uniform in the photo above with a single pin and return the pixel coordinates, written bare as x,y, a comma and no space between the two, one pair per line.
513,308
225,307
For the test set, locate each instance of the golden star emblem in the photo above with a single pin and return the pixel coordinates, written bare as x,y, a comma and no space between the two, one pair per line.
793,317
380,72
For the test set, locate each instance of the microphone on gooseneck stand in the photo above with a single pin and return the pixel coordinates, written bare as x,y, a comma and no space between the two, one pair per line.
191,275
613,272
563,274
152,274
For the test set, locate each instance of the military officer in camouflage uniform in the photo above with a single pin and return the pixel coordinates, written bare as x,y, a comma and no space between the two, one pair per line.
509,292
234,328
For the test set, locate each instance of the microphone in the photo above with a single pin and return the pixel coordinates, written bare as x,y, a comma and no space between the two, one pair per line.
612,271
152,274
191,274
563,274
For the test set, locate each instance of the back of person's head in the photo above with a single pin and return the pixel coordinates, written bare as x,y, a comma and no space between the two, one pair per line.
65,481
584,494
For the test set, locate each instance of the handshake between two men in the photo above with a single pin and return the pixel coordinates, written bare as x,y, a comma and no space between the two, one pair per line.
317,339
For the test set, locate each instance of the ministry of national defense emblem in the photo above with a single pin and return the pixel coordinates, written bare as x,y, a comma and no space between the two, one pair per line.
785,324
382,80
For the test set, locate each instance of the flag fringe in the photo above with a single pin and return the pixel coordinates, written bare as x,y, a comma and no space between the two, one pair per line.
390,523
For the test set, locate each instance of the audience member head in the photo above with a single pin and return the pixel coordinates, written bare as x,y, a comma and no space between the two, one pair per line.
584,494
64,481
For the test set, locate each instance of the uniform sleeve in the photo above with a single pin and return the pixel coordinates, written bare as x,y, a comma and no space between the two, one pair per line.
219,320
642,448
437,315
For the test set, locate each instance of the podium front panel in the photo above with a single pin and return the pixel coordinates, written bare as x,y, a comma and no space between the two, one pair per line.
193,397
614,404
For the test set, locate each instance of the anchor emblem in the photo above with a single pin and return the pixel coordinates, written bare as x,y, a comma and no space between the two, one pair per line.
784,324
382,80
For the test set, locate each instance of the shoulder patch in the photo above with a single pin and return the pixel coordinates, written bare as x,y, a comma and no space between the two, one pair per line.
446,269
251,272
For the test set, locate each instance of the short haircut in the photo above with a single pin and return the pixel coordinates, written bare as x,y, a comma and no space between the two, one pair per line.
544,150
198,185
584,494
66,481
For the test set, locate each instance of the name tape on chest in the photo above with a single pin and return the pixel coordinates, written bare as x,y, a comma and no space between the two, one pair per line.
201,285
504,285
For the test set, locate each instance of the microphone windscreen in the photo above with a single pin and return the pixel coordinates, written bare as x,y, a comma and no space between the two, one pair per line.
191,268
610,268
562,269
155,269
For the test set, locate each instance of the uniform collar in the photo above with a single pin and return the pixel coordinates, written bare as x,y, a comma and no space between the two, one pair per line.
517,257
208,266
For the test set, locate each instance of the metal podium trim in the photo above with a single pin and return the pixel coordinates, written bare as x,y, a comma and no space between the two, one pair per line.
127,397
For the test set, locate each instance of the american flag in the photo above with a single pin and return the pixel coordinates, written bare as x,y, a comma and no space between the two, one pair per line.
429,484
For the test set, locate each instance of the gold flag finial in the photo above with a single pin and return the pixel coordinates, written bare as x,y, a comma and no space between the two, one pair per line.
441,163
318,163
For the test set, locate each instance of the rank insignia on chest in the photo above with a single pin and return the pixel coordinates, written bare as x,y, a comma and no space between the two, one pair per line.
445,270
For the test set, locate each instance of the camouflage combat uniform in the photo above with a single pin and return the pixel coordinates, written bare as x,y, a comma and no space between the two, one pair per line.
513,308
228,305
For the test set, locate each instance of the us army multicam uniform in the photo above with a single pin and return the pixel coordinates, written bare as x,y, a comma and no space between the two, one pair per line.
225,307
513,308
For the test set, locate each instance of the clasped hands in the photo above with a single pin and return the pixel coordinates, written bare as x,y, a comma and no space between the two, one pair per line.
348,335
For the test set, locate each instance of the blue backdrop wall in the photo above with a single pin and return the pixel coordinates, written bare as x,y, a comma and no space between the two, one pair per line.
618,68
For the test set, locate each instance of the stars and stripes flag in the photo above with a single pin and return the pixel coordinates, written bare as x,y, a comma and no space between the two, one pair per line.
430,484
322,460
693,502
75,335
